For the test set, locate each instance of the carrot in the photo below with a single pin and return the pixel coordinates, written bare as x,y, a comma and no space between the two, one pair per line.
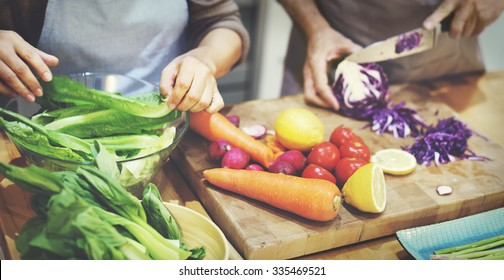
272,142
216,126
314,199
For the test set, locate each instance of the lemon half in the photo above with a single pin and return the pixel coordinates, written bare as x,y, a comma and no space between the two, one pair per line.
395,161
366,189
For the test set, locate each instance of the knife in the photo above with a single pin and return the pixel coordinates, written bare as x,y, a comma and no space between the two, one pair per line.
405,44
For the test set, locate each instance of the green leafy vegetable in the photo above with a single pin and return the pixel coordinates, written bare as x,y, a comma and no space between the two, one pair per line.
86,214
158,215
63,90
61,139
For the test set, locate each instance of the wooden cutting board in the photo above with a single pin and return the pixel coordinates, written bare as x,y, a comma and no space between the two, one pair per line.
259,231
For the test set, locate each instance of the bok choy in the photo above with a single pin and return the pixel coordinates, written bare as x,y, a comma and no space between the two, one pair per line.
86,214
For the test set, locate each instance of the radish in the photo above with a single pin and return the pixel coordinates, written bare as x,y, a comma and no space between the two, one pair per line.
295,158
257,130
254,166
236,158
234,119
217,149
279,166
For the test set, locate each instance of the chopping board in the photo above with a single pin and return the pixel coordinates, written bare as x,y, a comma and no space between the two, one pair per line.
260,231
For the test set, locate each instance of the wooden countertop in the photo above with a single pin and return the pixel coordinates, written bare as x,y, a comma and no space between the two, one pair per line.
478,99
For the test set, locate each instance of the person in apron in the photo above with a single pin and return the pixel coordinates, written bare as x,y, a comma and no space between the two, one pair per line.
325,30
182,46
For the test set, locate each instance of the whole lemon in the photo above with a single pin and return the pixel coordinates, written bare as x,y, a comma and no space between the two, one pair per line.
299,129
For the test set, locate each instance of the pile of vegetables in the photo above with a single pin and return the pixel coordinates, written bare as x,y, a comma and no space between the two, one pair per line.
74,116
487,249
362,92
86,214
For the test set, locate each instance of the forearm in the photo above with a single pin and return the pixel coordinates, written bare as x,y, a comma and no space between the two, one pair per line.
306,14
220,49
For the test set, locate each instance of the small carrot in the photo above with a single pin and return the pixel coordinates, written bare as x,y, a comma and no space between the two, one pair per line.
216,126
314,199
272,142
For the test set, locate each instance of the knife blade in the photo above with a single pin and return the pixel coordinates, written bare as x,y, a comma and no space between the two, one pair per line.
405,44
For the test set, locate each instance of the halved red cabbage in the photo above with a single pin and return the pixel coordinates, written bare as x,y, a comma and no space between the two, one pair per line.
363,94
443,143
360,89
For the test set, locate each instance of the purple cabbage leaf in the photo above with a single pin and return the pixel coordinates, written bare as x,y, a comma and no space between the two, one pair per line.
443,143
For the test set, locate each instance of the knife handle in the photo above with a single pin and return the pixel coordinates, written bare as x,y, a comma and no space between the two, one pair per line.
447,22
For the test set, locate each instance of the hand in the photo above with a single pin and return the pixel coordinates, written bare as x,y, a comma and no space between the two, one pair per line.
16,58
323,46
471,16
190,85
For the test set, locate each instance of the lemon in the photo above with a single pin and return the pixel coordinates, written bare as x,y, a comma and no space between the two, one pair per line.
299,129
366,189
395,161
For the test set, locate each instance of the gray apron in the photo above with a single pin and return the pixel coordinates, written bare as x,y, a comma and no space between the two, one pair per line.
130,37
368,21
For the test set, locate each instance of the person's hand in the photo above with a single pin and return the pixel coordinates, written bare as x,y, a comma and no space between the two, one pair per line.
323,46
17,59
190,85
471,16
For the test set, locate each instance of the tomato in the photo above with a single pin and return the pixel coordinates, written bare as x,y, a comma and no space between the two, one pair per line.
325,155
355,149
342,134
317,172
346,167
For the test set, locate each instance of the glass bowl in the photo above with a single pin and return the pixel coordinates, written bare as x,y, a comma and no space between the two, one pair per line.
136,172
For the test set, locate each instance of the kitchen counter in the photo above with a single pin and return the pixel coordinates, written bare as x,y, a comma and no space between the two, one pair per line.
477,99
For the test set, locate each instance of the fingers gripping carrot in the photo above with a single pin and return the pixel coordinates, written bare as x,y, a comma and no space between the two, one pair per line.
314,199
216,126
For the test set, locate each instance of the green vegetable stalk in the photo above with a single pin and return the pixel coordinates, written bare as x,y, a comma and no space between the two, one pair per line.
66,90
158,215
489,249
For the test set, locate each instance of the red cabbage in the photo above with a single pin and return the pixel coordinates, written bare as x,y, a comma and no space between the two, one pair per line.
398,121
362,92
443,143
408,42
360,89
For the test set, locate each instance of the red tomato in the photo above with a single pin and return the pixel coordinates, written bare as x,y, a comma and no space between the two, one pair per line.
317,172
325,155
342,134
355,149
346,167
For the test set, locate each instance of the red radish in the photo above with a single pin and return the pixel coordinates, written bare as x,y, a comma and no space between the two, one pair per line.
234,119
254,166
295,158
217,149
279,166
257,130
235,158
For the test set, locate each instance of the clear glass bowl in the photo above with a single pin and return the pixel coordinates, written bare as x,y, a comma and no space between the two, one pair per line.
135,173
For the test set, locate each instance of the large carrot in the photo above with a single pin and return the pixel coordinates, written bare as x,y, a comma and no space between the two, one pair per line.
216,126
314,199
